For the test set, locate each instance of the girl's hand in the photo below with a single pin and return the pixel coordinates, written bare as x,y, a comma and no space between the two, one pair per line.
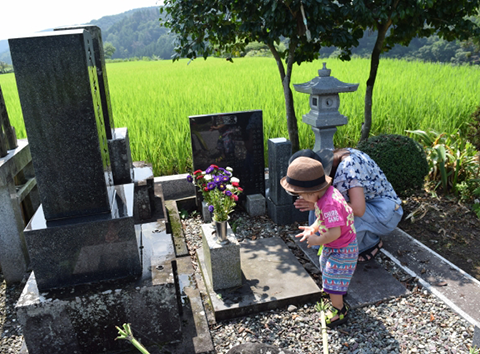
308,234
303,205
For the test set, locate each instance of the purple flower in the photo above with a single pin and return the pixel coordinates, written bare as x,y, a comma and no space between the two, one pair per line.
209,170
221,186
225,178
228,193
189,178
211,208
211,185
228,173
217,179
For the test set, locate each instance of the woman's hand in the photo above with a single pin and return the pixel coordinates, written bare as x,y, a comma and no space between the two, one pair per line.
303,205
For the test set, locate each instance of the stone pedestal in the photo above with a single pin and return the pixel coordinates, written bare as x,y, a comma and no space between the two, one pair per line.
143,178
17,163
83,250
222,261
121,157
255,205
206,214
82,319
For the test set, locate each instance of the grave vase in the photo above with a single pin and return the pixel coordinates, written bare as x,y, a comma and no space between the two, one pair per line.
221,231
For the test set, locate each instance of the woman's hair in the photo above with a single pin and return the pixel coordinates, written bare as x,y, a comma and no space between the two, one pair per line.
338,154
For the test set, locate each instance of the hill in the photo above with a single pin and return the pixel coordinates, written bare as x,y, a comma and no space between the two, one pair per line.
134,33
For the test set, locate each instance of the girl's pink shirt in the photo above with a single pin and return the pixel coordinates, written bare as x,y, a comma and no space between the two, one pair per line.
332,210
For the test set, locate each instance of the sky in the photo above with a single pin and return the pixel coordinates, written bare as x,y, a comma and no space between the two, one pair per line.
23,17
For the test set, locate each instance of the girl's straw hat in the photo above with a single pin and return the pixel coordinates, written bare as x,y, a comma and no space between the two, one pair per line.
305,175
325,156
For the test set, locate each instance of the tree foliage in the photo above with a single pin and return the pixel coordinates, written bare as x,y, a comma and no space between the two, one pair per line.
400,21
212,27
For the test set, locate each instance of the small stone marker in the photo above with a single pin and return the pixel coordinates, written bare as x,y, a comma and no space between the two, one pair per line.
280,204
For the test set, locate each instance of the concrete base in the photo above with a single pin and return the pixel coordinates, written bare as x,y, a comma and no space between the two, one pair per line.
285,214
222,261
85,249
272,278
176,186
83,319
255,205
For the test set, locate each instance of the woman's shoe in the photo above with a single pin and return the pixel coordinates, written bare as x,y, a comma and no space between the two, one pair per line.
368,255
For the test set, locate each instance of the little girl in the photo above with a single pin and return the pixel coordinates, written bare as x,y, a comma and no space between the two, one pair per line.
339,252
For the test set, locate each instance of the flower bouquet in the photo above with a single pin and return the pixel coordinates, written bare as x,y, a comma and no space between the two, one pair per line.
219,188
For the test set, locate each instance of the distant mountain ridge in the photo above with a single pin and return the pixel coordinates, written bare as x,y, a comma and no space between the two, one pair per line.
133,33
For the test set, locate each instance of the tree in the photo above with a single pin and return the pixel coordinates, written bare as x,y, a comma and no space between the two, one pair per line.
225,26
400,21
108,49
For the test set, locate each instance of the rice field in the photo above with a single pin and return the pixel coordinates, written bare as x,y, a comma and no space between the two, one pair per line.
155,98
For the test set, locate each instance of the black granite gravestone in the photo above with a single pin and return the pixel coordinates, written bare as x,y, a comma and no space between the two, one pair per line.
104,91
231,139
84,230
59,93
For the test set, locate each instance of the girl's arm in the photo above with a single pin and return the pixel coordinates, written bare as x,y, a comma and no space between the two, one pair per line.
357,200
314,240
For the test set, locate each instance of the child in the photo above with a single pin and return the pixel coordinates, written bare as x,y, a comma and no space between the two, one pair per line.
339,252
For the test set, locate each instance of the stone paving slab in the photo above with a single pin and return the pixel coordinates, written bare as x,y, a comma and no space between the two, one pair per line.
455,287
272,278
370,283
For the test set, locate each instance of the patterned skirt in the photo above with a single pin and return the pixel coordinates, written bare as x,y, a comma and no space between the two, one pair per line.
338,266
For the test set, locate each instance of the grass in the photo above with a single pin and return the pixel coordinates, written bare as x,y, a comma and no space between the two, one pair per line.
154,99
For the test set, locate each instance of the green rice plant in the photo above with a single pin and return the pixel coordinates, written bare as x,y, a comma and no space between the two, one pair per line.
126,333
155,98
452,159
322,307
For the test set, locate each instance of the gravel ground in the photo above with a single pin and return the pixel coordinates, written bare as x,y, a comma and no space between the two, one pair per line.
418,323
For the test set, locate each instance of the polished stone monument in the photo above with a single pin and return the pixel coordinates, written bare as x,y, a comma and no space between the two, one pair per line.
70,155
82,239
236,140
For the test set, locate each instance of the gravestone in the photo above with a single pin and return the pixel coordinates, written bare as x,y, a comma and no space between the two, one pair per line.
88,266
67,137
235,140
231,139
104,91
280,204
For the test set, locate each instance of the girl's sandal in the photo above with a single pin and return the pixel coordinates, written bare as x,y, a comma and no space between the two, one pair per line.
342,316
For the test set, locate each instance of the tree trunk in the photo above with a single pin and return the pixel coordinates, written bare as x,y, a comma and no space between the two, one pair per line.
374,62
292,125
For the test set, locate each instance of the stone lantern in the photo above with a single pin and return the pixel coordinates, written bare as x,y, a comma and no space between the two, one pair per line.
324,103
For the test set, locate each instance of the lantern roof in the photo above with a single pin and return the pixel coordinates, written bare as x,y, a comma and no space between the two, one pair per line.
325,84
